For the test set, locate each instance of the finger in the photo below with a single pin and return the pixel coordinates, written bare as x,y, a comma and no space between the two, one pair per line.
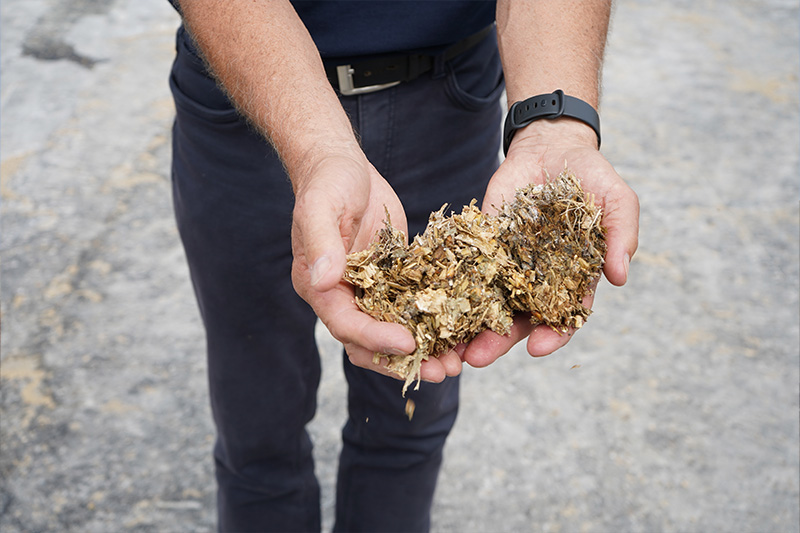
451,362
361,357
434,370
489,346
460,348
544,341
349,325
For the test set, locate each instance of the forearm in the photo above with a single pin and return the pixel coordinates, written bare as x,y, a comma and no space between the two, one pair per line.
553,44
268,64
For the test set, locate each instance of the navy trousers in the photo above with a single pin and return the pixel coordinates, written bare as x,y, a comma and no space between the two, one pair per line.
436,140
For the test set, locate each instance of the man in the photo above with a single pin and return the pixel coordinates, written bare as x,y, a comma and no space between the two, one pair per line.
426,132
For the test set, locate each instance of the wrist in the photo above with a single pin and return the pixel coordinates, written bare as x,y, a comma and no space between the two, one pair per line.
307,163
564,131
323,163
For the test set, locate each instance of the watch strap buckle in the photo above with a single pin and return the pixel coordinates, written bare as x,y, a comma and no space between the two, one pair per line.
550,106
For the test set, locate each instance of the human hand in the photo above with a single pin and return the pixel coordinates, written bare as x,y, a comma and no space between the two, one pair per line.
539,150
339,208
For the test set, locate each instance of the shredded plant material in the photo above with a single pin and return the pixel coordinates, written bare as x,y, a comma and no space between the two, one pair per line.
470,272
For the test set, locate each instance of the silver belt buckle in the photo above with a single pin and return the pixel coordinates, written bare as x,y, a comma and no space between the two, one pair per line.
345,75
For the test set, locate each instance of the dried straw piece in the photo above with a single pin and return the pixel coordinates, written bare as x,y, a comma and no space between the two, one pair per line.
468,272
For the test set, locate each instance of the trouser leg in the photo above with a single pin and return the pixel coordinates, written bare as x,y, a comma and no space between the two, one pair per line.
233,206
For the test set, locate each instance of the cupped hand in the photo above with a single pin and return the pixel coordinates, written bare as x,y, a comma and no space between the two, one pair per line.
340,205
538,151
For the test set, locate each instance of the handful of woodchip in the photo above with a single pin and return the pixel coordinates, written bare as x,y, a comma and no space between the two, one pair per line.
468,272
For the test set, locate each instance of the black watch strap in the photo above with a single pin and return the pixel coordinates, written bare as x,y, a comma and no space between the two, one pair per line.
549,106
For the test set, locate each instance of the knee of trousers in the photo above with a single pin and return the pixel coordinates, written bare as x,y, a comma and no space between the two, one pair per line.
378,425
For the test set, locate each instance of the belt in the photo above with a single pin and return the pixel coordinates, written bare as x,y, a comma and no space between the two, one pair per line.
370,74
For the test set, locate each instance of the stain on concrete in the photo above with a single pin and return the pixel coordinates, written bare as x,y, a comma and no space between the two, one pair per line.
47,40
778,88
9,167
25,373
46,48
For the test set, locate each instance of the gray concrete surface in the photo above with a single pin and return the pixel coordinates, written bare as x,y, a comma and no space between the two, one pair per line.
675,409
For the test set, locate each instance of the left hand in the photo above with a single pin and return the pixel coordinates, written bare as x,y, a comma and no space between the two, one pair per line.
537,151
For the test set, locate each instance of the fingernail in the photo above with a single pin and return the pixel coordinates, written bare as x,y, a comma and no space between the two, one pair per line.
394,351
319,269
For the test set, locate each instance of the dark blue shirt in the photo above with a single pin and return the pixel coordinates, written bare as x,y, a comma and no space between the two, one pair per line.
343,28
350,28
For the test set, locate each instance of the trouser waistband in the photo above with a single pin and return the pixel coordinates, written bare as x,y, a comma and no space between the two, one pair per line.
374,73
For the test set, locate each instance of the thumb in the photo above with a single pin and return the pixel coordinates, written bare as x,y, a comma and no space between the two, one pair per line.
327,270
318,243
621,220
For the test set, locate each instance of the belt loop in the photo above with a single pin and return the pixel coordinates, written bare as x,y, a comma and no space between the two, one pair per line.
438,67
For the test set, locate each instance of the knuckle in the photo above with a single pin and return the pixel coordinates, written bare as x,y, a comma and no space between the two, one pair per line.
341,327
338,332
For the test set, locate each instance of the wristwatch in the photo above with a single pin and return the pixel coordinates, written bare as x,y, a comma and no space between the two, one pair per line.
549,106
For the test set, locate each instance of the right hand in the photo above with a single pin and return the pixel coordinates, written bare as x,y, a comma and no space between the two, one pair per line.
340,205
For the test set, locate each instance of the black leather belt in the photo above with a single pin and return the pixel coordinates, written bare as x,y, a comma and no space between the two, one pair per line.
370,74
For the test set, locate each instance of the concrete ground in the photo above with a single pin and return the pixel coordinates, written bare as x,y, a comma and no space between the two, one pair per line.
675,409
